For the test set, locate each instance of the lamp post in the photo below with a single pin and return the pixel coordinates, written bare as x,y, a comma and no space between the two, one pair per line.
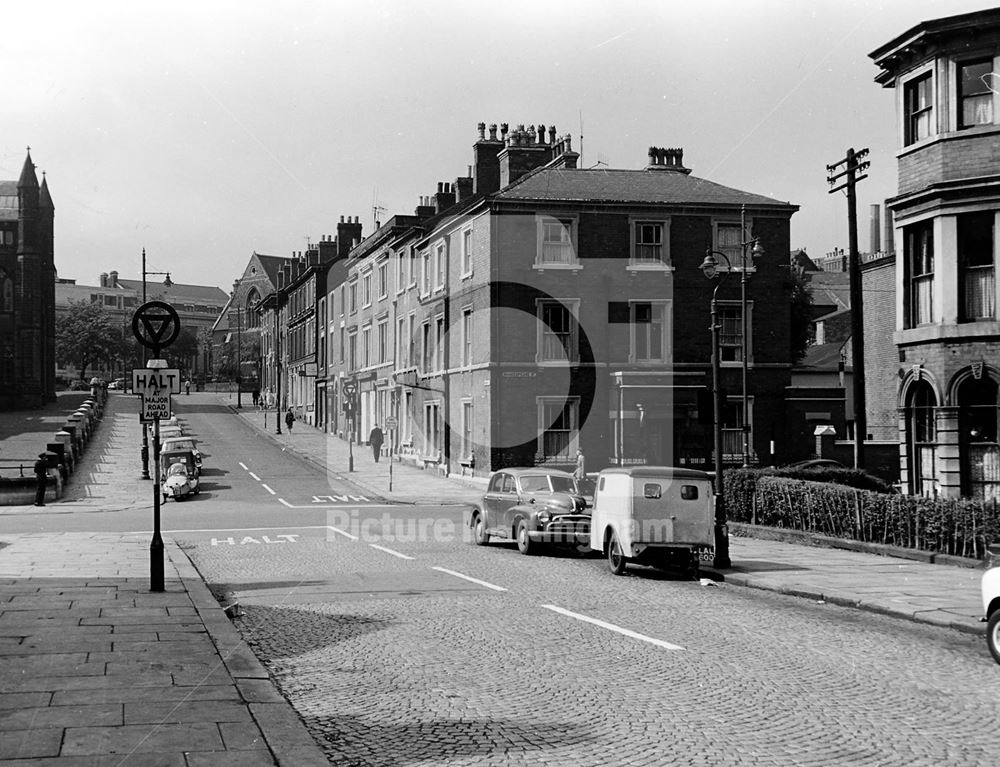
277,370
145,436
239,346
710,268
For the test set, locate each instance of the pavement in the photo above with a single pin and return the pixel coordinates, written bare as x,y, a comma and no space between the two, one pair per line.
99,670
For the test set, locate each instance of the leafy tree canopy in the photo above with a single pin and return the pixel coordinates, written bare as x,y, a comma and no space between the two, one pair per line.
85,334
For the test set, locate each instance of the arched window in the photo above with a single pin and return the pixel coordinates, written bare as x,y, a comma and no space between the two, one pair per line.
977,420
922,438
252,317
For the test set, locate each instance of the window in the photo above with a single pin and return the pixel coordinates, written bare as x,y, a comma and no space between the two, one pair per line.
466,252
6,294
439,342
432,433
401,276
923,438
353,288
649,243
977,283
366,289
426,351
383,341
366,346
555,241
411,340
426,273
557,425
918,241
731,332
439,266
412,267
557,331
352,345
342,333
402,346
383,279
918,109
648,337
975,98
729,240
732,431
466,336
466,429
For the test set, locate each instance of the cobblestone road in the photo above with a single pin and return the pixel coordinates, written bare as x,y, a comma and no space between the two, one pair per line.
393,662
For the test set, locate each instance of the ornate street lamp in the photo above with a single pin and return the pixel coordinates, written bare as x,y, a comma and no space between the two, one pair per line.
239,345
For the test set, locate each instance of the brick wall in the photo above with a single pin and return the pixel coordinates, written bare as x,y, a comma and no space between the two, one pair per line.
878,285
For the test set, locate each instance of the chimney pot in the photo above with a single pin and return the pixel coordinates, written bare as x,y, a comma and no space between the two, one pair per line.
493,131
482,131
341,219
552,135
503,131
541,134
440,187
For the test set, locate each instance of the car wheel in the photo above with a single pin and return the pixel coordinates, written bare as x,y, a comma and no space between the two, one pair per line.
480,536
993,635
694,566
616,557
524,543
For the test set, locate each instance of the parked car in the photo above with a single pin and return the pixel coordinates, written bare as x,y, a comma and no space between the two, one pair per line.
533,506
653,515
990,585
178,475
183,443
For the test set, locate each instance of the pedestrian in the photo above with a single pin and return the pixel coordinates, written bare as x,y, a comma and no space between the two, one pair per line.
289,419
187,387
41,478
580,473
375,440
256,397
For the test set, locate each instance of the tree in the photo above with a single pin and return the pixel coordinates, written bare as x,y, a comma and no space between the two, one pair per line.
180,353
801,314
87,333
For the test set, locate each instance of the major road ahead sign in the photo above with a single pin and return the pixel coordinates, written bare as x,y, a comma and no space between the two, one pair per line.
155,406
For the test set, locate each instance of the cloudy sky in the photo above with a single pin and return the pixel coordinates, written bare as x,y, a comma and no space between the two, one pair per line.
204,131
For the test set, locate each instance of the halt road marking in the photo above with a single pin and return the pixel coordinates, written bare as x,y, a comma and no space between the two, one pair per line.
342,532
469,578
389,551
613,627
314,506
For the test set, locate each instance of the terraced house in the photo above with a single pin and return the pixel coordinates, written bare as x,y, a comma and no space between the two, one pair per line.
533,307
945,215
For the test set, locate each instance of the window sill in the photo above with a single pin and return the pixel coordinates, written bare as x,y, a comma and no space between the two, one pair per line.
540,267
635,266
466,275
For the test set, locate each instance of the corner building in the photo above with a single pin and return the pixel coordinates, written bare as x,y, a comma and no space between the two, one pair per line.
945,223
536,307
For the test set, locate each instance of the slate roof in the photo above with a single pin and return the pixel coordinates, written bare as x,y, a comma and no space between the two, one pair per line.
822,357
271,265
611,185
179,290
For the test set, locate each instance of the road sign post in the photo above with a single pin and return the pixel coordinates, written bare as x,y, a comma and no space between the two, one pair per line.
391,423
350,392
155,325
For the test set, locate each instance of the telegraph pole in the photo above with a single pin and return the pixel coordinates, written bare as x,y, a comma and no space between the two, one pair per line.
853,170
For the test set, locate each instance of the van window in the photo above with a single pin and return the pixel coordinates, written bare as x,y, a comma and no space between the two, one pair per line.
689,492
651,490
496,483
508,484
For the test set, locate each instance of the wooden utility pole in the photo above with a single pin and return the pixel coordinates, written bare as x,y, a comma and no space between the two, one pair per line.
853,171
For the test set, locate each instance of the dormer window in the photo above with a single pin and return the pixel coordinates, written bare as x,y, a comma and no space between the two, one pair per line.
918,108
975,99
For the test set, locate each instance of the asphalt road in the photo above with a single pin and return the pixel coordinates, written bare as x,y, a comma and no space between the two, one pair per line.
401,643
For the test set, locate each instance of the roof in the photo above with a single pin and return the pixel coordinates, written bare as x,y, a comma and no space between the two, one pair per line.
271,265
657,471
180,290
830,289
801,259
823,356
610,185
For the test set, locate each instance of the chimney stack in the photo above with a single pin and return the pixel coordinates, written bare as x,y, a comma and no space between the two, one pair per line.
486,167
875,229
890,235
104,279
522,154
462,188
424,209
661,158
444,198
348,232
113,279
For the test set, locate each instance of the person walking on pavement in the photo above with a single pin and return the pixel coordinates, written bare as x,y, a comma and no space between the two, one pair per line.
289,419
41,478
187,387
375,440
256,397
580,473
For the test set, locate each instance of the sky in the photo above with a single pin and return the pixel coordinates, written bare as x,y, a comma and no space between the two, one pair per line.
206,131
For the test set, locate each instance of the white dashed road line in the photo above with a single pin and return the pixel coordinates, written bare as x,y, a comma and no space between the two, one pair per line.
253,475
263,485
468,578
389,551
243,466
613,627
342,532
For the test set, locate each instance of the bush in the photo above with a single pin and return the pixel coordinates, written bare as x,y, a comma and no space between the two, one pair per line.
846,476
962,527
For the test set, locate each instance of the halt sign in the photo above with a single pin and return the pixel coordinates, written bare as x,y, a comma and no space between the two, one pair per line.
155,386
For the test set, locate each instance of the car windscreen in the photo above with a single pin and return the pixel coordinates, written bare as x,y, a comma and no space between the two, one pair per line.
181,444
535,483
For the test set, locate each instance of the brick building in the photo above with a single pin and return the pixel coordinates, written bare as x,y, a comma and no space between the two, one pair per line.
947,339
537,307
27,292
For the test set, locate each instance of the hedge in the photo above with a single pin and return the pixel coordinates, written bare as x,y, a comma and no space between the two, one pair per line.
962,527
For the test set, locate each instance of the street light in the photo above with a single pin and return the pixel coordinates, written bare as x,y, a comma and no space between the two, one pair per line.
239,346
145,438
